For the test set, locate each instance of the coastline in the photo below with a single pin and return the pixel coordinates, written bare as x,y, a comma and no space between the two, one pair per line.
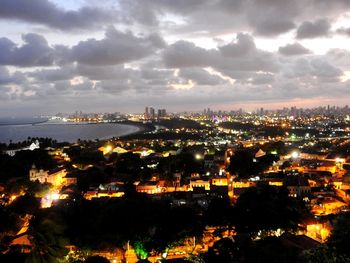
28,122
142,128
71,133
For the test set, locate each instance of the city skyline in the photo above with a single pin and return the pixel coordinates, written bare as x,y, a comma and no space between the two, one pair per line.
121,55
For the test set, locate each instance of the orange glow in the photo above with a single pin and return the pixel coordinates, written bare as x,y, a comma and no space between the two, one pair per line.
319,232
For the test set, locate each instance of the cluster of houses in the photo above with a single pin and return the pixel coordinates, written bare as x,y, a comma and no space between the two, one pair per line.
321,180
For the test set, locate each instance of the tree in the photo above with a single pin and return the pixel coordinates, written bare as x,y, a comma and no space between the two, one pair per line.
9,226
271,250
24,185
184,162
241,163
90,177
264,209
224,250
278,147
25,204
340,237
48,244
324,254
245,165
129,163
219,213
19,165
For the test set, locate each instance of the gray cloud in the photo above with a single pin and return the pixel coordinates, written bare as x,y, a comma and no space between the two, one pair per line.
133,60
344,31
318,28
262,78
34,52
187,54
311,68
273,27
293,49
241,55
51,75
47,13
116,48
340,57
200,77
5,77
271,17
243,47
324,69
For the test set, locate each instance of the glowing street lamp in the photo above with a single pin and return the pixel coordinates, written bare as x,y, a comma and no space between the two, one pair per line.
295,155
109,148
55,196
338,160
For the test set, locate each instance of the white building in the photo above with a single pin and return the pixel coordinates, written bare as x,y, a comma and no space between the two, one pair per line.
32,147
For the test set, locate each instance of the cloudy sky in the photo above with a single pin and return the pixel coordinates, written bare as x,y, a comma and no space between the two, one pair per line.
123,55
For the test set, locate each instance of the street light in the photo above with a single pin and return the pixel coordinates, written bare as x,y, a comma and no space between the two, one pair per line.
295,154
109,148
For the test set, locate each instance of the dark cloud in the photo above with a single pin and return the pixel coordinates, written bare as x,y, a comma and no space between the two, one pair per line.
344,31
186,54
262,78
241,55
34,52
5,77
118,72
272,17
293,49
200,77
318,28
273,27
313,67
156,77
51,75
116,48
46,13
324,69
243,47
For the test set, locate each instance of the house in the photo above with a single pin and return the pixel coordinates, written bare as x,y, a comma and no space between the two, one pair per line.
199,183
327,205
70,179
297,186
209,161
150,187
54,177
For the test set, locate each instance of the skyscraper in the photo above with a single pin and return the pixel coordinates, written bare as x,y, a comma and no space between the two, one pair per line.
146,115
152,114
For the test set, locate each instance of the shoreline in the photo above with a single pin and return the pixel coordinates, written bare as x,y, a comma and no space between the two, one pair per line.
142,128
24,123
128,128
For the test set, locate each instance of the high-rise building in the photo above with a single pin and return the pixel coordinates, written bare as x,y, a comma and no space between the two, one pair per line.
146,115
152,113
261,111
161,113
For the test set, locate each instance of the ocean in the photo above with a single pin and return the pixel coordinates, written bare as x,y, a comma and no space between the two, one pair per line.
19,129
